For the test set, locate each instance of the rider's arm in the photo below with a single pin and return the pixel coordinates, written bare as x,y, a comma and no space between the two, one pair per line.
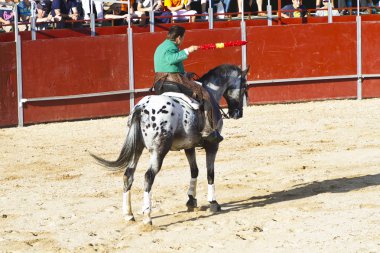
173,56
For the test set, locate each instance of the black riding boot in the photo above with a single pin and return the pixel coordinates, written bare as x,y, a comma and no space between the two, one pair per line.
208,133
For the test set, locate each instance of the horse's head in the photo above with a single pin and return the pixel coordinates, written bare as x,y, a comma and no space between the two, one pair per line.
229,81
235,92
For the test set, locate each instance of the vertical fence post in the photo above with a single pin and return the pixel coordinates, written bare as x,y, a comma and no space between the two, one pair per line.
244,48
329,12
92,19
359,56
20,108
210,16
269,13
130,61
33,23
151,17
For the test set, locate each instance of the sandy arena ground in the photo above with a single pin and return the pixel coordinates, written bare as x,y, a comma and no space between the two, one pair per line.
290,178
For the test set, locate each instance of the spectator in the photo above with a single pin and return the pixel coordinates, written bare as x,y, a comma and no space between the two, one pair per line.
121,17
24,13
144,7
226,4
44,14
294,10
260,8
247,6
348,4
343,4
318,3
323,11
114,12
23,9
7,16
62,10
87,9
44,9
179,8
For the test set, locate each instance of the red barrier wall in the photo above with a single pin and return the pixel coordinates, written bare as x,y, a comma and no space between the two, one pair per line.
8,84
82,64
370,58
299,51
74,66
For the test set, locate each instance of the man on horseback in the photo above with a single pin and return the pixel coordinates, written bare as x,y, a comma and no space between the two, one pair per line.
170,76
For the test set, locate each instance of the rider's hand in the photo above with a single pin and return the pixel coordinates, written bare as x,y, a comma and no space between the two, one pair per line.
192,49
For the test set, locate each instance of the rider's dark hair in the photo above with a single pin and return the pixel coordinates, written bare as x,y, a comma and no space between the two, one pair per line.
175,31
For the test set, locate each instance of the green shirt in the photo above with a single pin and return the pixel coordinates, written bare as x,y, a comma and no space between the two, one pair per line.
168,58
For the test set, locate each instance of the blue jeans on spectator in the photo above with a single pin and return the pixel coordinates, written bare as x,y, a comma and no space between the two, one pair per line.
226,4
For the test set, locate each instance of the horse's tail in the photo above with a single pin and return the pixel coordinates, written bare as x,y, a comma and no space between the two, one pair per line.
132,146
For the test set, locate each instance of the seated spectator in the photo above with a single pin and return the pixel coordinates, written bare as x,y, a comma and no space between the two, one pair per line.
323,11
23,9
294,10
44,11
250,6
24,14
7,16
114,12
200,6
179,8
87,9
143,9
260,8
121,17
43,8
62,10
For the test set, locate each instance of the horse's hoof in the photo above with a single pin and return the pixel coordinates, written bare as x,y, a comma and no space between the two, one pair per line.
215,207
191,204
129,218
147,222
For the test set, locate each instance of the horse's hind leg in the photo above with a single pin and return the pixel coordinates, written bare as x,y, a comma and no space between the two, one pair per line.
157,157
192,202
211,150
127,206
128,181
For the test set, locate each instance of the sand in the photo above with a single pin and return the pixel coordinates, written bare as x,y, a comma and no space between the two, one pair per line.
290,178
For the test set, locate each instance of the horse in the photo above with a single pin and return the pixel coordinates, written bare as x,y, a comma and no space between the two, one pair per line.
167,122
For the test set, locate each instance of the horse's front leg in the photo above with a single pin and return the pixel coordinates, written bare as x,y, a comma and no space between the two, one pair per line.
211,150
192,192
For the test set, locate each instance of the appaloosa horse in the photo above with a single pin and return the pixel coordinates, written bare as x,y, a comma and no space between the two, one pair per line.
171,122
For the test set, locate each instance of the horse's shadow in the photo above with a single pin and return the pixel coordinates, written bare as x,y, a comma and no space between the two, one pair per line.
339,185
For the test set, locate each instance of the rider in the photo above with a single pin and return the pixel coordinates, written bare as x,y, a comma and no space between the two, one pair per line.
170,76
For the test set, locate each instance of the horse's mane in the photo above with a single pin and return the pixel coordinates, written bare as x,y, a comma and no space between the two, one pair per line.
220,71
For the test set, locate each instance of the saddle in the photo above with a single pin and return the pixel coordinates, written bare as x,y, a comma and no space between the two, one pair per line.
176,82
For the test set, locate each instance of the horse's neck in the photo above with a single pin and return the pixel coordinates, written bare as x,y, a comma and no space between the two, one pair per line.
215,90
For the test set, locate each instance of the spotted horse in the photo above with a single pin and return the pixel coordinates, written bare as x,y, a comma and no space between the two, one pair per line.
164,122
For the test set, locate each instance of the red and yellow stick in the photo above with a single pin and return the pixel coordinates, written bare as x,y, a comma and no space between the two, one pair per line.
223,45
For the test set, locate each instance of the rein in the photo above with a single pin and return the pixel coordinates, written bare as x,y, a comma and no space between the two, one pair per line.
225,115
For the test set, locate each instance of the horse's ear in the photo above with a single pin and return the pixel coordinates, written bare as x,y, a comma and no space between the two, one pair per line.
245,72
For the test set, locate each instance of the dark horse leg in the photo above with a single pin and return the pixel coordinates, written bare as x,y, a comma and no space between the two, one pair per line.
211,150
128,181
157,157
192,202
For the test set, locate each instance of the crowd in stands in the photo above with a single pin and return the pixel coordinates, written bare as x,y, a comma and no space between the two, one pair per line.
57,12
